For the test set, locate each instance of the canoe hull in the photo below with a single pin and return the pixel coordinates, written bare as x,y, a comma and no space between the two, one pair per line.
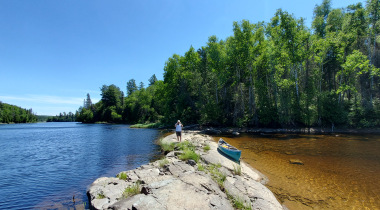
229,150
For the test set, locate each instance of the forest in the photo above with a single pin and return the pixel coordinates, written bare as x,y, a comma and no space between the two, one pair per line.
14,114
62,117
275,74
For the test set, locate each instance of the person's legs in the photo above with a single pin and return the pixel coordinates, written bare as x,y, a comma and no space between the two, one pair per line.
180,136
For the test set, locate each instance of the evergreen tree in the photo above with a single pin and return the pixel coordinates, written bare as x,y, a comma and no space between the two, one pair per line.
131,86
152,79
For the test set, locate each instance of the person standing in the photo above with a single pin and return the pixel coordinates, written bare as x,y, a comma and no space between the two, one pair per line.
178,130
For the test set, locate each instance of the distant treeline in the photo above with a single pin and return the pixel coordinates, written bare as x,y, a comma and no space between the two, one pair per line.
14,114
62,117
276,74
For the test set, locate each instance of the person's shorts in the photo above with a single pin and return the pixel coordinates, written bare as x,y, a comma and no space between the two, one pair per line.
179,133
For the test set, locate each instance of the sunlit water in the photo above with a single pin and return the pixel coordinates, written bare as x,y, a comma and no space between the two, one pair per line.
339,171
44,165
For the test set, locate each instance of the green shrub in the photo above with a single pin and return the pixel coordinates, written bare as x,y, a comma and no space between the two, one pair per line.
132,190
122,176
189,154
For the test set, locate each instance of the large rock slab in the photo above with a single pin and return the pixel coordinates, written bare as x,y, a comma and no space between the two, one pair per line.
182,185
139,201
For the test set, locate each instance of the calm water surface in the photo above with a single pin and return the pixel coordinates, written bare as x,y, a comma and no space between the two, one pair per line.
339,171
44,164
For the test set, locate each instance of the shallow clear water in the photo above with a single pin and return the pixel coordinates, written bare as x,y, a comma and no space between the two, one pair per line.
339,171
43,165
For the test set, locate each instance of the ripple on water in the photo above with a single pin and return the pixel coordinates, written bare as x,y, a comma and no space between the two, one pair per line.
43,165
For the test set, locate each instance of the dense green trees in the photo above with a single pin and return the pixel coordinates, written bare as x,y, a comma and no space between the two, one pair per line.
63,117
275,74
14,114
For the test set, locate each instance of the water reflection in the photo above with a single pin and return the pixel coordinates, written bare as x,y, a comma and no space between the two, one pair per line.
339,171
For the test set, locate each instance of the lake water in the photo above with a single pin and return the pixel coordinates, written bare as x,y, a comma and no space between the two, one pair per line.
339,171
43,165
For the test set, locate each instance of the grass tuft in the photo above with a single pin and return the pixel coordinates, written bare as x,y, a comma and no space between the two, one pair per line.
186,145
100,196
216,175
189,154
206,148
163,162
122,176
238,203
165,146
237,169
132,190
201,167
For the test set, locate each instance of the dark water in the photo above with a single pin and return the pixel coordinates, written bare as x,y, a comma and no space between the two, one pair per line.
43,165
339,172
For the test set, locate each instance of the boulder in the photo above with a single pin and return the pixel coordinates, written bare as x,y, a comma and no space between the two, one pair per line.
212,131
191,162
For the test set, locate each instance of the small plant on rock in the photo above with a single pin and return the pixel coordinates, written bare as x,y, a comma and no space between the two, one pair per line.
237,169
122,176
100,196
240,204
189,154
163,162
206,148
216,175
201,167
132,190
186,145
165,146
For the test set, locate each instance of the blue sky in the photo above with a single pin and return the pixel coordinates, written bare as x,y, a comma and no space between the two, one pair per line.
54,52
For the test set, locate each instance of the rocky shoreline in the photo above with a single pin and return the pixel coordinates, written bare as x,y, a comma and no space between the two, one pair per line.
212,182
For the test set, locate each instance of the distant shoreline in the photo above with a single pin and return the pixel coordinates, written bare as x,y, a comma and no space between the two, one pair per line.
290,131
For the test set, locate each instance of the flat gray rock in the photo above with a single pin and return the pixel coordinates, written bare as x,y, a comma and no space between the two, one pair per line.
180,185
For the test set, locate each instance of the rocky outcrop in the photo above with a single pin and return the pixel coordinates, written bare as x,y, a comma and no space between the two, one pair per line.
176,184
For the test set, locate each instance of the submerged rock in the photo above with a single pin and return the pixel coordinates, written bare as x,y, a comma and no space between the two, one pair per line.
295,161
235,133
